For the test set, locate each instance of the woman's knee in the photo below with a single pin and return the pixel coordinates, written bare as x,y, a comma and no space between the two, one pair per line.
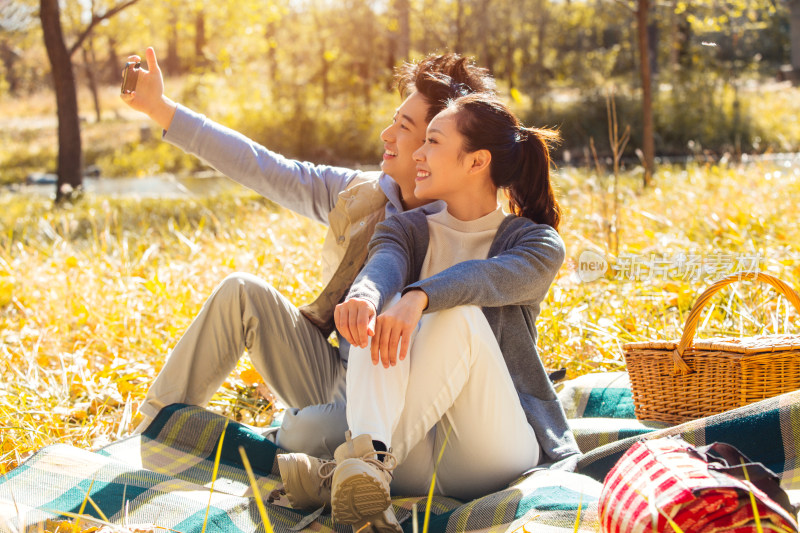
456,322
461,316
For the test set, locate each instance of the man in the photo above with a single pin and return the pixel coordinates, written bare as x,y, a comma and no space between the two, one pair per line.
288,345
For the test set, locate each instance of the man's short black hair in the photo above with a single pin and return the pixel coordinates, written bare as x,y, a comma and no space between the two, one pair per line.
441,78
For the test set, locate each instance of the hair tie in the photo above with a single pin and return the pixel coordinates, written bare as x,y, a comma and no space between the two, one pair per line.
459,89
521,135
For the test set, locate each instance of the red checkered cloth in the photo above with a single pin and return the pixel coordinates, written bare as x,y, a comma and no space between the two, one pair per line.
665,485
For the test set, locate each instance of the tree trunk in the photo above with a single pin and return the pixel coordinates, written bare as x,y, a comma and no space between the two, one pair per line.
324,69
70,156
794,33
648,143
674,45
89,64
324,74
543,24
426,43
272,58
403,10
510,70
459,47
510,48
485,21
173,63
113,64
200,37
10,57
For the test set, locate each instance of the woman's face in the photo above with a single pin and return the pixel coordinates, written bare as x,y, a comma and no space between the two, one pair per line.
441,169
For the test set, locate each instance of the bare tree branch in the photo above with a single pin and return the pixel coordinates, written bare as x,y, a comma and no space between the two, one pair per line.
97,19
626,4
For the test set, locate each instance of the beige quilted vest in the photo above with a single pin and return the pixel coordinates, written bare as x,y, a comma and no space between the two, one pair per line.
351,223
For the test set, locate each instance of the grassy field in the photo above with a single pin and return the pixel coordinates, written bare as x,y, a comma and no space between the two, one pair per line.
93,295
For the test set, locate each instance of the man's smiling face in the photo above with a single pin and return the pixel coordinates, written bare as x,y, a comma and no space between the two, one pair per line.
401,139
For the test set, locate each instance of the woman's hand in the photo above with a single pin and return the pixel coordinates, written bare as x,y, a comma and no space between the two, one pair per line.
355,320
148,96
395,326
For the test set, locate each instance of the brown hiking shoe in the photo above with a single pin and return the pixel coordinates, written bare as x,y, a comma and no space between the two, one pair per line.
361,481
306,480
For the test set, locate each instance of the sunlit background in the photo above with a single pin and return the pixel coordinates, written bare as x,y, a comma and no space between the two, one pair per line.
96,289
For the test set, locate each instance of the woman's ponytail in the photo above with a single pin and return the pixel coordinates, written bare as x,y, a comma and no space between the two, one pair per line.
530,192
520,156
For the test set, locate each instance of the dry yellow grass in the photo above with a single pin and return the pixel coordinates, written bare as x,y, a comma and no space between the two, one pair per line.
92,296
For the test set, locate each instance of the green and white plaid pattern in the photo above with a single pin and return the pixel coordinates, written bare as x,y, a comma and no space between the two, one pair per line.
597,395
163,476
767,432
599,408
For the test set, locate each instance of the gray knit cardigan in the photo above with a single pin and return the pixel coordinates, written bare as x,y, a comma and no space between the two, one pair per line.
509,286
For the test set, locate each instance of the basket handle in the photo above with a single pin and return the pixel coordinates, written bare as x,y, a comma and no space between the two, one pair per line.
690,327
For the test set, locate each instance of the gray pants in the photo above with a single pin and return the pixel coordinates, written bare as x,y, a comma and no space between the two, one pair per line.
293,356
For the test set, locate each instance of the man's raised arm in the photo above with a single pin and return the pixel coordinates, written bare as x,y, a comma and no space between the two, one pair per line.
308,189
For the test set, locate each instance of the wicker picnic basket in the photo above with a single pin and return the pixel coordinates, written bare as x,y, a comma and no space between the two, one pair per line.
678,381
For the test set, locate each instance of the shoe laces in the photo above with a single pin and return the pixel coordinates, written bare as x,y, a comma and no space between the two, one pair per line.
325,473
276,494
387,464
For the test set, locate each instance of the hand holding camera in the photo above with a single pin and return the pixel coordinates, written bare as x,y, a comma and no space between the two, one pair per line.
143,90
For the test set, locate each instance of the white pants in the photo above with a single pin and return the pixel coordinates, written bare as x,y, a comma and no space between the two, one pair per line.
454,380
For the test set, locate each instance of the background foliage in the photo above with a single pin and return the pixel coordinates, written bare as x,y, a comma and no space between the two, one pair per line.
93,294
311,78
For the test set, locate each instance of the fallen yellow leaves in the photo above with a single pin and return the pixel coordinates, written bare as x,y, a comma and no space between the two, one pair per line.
250,376
6,291
65,526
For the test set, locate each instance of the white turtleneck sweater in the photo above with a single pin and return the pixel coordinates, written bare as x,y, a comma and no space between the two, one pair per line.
453,241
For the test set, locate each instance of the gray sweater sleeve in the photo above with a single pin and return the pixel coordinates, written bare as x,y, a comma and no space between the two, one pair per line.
308,189
520,275
395,256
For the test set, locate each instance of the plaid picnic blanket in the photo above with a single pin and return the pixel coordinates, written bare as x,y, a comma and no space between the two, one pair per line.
599,408
767,432
164,476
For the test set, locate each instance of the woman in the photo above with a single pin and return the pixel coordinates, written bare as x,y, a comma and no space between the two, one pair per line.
467,371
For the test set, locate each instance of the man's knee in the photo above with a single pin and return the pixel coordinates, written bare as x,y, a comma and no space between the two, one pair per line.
316,430
237,285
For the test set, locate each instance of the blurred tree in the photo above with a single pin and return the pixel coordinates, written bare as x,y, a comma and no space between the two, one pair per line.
794,34
641,11
458,44
70,154
648,141
200,37
172,62
15,18
485,22
89,62
399,29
